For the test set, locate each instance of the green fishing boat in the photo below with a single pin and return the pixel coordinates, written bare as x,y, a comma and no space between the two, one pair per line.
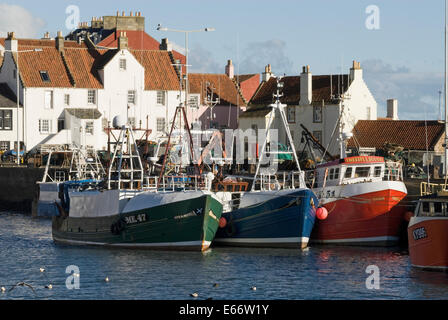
126,211
167,220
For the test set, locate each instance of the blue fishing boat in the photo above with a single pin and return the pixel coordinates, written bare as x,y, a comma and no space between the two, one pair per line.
282,219
279,210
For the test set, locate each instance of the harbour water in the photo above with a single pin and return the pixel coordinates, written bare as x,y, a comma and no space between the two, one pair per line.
319,272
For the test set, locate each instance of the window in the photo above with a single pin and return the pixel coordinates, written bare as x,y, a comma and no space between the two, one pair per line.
377,172
160,124
317,114
425,207
91,97
4,145
291,114
122,64
336,174
48,99
193,101
67,99
318,135
348,172
5,119
438,209
131,97
331,175
44,76
161,98
89,127
44,126
362,172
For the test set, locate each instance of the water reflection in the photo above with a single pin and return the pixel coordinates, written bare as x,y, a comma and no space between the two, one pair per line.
318,272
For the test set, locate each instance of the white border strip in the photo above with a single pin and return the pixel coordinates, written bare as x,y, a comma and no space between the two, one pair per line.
263,240
370,239
143,245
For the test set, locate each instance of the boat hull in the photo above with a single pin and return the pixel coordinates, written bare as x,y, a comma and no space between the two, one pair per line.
366,214
284,221
183,225
428,242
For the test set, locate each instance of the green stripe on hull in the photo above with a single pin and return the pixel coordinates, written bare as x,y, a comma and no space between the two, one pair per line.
189,224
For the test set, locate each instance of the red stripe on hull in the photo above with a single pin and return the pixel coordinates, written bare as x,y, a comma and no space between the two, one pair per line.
428,243
377,215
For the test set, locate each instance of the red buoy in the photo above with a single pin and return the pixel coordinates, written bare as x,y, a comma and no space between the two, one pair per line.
222,222
321,213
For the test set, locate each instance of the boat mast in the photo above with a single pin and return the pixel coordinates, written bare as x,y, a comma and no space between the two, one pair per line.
280,108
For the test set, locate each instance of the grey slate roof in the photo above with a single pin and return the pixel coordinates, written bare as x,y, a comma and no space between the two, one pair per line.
84,113
7,97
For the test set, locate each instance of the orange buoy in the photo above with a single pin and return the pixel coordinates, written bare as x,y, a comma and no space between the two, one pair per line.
321,213
222,222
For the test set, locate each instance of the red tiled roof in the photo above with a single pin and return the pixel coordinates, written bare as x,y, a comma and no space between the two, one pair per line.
224,87
291,89
78,66
410,134
83,67
50,60
40,43
248,84
159,72
137,40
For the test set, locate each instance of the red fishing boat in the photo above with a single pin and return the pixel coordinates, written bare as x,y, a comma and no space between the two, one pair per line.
428,233
361,195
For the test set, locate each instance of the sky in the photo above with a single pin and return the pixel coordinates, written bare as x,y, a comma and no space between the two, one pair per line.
400,43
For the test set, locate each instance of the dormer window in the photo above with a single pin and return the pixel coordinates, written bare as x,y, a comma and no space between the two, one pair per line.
44,76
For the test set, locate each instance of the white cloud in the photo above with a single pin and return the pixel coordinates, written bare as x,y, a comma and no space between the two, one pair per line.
21,21
257,55
202,61
417,92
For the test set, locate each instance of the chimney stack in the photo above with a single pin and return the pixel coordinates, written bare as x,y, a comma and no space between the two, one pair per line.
166,45
355,71
11,43
60,42
122,41
306,86
267,74
392,109
230,69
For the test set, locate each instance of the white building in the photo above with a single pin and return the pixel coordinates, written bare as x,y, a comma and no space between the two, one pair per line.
71,91
314,101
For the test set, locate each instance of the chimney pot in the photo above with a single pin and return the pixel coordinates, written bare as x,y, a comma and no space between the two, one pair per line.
306,86
230,69
392,109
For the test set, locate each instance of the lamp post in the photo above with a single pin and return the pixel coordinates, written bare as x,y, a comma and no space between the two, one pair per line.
18,97
160,28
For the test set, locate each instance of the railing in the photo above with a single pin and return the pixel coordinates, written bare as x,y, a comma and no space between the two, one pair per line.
393,171
431,188
281,180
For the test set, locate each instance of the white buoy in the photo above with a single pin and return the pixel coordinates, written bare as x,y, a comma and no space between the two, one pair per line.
3,289
253,288
194,295
42,269
107,279
49,286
